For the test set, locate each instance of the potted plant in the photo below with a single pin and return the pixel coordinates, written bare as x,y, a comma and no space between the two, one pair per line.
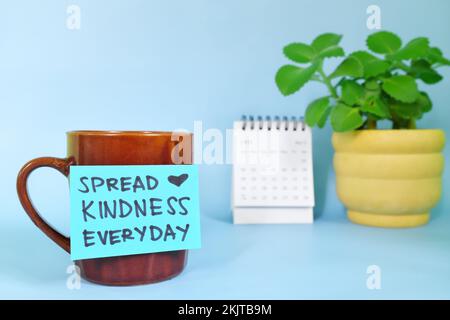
385,177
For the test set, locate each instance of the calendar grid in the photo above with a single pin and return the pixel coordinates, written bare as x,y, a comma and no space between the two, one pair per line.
272,164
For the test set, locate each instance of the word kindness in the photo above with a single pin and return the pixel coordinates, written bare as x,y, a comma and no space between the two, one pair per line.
121,208
125,211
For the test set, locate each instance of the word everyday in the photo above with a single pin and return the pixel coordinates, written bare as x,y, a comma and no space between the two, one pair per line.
150,233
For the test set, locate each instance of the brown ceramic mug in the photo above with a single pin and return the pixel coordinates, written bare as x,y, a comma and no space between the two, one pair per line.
114,148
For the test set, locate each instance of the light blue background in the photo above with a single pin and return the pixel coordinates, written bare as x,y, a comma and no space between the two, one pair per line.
164,64
163,190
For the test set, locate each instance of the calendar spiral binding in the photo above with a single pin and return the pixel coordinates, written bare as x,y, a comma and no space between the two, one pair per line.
277,122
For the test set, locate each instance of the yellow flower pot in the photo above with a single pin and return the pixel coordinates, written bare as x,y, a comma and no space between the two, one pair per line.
389,178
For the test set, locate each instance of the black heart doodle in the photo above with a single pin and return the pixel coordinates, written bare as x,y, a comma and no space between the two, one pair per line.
178,180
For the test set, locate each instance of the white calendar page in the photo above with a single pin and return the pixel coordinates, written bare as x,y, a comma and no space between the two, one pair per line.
272,165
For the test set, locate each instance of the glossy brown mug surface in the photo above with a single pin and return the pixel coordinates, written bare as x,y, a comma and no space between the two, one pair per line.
115,148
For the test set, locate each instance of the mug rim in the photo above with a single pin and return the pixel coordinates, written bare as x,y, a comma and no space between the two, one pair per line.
124,132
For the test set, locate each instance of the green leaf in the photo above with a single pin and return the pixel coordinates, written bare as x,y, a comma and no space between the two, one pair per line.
407,110
375,68
316,110
351,67
375,106
352,92
364,57
344,118
412,110
415,49
326,45
325,41
333,51
372,65
299,52
402,88
422,69
323,120
372,85
290,79
384,42
435,56
424,102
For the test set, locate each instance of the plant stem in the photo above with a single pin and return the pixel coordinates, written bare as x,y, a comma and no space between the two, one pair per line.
371,123
327,82
403,67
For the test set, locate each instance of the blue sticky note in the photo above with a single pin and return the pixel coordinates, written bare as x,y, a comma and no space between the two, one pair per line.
124,210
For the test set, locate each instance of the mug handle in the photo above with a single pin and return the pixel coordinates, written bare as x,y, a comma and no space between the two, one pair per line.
62,165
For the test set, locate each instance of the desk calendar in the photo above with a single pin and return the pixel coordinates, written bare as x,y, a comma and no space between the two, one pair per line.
272,171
